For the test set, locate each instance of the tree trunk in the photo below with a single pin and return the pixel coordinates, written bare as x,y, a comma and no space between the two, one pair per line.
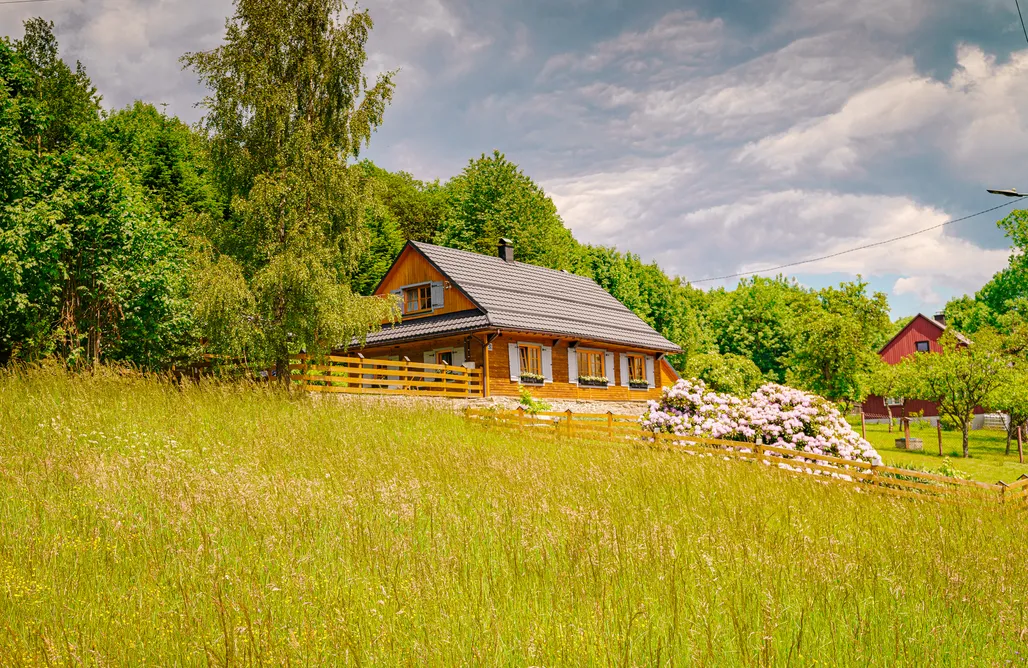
938,430
282,371
964,429
888,408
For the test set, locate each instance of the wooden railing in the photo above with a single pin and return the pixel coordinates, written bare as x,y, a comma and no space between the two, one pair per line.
866,476
356,375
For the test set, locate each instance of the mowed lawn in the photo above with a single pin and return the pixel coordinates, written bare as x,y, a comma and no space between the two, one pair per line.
988,461
146,524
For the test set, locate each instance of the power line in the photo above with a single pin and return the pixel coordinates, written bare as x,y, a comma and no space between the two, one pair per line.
1023,29
21,2
858,248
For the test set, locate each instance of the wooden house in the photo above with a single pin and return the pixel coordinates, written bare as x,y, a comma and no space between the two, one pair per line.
556,333
921,335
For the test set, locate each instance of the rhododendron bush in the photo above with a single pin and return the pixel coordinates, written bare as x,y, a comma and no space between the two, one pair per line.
774,414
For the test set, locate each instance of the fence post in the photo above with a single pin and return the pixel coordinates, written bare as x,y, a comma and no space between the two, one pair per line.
570,415
938,429
874,474
759,450
1020,450
521,418
863,429
610,425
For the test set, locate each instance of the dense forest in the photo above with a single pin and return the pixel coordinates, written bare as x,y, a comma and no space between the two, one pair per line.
129,236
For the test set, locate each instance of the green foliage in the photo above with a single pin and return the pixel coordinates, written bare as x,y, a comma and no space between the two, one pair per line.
417,208
957,380
727,372
1002,303
165,158
88,270
1011,397
531,404
493,199
67,100
289,104
385,244
758,320
947,469
837,347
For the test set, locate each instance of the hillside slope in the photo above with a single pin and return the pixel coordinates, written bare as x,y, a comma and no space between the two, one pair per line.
142,523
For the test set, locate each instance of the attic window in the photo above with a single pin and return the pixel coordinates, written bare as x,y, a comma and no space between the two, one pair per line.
923,346
417,299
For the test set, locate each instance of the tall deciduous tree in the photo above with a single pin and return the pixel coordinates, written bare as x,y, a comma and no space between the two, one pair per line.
289,106
835,352
959,379
417,207
1012,398
493,199
758,320
88,270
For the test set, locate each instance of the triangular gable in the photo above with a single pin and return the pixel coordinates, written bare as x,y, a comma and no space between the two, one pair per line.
412,267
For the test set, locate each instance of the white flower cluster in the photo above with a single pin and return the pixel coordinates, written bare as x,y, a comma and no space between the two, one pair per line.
774,414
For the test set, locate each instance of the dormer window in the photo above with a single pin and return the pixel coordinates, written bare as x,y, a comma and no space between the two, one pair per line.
417,299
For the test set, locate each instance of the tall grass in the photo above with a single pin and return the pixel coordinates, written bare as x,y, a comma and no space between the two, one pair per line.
146,524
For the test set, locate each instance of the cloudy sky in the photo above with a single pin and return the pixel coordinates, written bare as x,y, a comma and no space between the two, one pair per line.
714,137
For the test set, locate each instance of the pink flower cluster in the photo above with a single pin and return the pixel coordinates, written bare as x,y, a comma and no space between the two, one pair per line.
774,415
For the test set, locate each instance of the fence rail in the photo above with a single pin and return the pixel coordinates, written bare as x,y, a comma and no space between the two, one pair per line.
357,375
871,477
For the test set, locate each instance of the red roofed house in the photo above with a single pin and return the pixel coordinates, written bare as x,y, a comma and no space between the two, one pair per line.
921,335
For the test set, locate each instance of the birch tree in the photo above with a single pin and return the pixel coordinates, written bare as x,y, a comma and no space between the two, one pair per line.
289,108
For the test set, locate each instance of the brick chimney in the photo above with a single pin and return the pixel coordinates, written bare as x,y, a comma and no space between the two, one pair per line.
505,250
940,318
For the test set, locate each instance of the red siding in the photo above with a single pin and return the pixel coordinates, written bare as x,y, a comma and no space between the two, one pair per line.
905,343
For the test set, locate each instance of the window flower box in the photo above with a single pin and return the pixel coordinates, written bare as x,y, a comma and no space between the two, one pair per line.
532,379
639,384
592,381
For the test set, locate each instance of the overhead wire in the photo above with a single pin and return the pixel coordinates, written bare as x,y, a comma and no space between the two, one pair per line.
1024,30
856,248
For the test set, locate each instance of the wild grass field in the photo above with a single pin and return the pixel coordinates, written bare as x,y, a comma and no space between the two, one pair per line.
988,461
142,523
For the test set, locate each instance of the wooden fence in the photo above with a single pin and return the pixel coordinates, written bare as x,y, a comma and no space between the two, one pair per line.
866,476
357,375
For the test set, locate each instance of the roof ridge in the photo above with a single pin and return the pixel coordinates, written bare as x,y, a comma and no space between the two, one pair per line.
497,260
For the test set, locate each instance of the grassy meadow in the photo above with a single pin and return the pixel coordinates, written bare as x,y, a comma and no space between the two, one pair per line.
146,524
988,461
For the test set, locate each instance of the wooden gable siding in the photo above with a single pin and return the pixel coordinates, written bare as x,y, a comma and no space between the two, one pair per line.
412,268
905,343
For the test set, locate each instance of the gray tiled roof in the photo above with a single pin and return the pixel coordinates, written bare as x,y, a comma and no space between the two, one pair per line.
519,296
419,328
